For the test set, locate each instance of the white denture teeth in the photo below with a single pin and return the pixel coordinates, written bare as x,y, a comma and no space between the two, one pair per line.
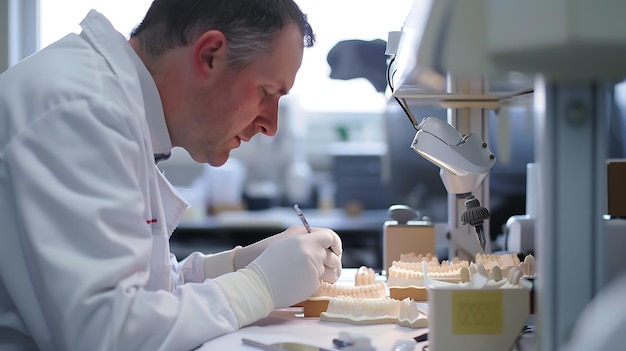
495,273
506,262
465,275
528,266
365,276
433,267
514,276
361,311
411,257
501,260
480,269
472,268
371,291
406,274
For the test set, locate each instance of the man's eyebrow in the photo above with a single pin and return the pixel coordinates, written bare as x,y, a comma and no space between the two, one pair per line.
282,90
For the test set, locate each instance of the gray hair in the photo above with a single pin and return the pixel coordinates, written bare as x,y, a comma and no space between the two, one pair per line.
250,26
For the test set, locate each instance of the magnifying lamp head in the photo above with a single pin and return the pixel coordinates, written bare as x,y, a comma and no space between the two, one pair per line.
466,158
443,145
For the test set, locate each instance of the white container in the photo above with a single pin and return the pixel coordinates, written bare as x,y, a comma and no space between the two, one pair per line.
476,319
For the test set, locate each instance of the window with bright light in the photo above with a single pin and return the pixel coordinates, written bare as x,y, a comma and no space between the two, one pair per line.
332,21
60,17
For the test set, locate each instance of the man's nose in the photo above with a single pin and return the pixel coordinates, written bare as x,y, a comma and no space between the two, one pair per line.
267,121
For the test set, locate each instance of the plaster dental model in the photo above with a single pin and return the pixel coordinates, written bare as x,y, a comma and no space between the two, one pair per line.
411,315
365,288
406,278
402,274
360,311
346,309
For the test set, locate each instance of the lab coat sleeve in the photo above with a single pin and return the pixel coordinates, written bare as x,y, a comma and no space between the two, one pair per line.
197,267
86,242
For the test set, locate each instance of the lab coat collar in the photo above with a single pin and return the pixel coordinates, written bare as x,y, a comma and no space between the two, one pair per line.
161,143
153,108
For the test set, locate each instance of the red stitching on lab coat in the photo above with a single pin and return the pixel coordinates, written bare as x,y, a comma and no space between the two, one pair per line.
153,220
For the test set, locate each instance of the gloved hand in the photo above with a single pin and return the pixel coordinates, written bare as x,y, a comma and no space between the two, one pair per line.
292,269
243,256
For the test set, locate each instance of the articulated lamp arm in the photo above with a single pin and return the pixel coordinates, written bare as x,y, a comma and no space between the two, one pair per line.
465,161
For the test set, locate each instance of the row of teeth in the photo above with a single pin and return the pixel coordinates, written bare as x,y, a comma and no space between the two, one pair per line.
399,277
510,280
432,268
485,264
504,263
495,276
400,272
429,258
404,311
504,260
370,291
411,257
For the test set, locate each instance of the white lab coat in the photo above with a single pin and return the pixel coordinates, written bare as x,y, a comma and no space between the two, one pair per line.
85,215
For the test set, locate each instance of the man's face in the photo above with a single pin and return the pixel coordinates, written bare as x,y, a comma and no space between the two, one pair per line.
222,106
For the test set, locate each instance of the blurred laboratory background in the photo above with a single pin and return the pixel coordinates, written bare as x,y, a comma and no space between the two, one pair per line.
343,147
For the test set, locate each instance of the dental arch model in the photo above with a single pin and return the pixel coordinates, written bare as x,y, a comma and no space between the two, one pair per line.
375,311
365,287
370,291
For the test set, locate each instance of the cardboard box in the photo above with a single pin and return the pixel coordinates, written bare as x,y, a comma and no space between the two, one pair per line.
414,236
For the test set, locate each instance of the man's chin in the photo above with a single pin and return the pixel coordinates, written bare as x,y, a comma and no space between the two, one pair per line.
218,160
213,158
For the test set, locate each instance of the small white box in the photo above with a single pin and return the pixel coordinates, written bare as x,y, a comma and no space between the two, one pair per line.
476,319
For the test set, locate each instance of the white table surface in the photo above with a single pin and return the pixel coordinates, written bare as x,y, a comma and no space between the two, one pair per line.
288,325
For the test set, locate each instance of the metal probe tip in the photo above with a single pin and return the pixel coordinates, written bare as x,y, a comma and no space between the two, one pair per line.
481,236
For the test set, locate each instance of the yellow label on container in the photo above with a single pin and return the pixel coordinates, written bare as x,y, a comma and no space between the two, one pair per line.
477,312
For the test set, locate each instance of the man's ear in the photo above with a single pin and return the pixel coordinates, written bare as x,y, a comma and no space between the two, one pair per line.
210,51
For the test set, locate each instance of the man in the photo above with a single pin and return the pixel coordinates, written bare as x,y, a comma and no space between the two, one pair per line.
86,215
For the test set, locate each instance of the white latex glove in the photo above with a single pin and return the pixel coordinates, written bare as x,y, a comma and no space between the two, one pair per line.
292,269
243,256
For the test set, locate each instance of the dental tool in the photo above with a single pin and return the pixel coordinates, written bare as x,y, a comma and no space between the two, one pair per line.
304,221
301,215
